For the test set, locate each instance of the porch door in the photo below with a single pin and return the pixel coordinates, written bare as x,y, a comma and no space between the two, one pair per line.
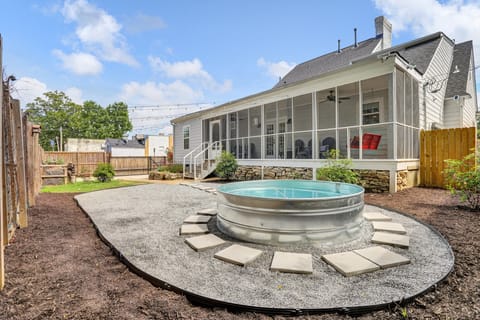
215,135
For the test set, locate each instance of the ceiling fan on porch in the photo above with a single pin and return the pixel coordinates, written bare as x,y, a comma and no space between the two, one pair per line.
331,97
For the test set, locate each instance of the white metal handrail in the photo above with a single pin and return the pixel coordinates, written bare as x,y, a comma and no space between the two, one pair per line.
190,155
208,155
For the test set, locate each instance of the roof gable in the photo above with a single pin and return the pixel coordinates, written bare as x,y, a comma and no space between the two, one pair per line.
329,62
458,77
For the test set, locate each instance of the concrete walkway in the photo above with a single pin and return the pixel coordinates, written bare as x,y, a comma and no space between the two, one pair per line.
143,222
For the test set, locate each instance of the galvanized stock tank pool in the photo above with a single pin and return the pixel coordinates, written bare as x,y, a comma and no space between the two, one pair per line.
290,211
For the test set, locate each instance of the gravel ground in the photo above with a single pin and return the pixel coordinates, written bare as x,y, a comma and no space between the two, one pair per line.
142,223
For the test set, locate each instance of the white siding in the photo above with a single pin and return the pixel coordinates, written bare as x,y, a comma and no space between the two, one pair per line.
453,113
195,138
438,69
470,106
128,152
159,143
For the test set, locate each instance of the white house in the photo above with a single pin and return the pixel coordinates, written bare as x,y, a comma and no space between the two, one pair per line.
368,100
157,146
126,148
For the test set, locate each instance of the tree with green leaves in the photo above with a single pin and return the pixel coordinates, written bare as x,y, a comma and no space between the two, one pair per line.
58,114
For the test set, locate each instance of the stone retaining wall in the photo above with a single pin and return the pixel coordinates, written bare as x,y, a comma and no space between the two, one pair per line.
244,173
377,181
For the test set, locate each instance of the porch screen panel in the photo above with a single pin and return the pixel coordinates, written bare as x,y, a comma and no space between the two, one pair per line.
415,143
255,121
233,147
285,113
302,112
401,141
223,126
348,108
303,145
325,109
270,111
380,141
284,146
242,123
232,119
255,147
408,100
206,130
400,96
376,92
242,148
415,104
326,142
348,143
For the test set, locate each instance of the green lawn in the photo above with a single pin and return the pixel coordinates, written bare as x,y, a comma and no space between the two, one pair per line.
87,186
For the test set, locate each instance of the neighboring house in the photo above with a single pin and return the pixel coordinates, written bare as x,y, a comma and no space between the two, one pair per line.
368,100
157,146
84,145
126,148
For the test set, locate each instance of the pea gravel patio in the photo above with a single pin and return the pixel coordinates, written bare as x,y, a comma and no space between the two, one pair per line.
142,223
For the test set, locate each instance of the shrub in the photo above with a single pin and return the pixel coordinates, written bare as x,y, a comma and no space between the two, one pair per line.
173,168
104,172
339,170
463,180
226,165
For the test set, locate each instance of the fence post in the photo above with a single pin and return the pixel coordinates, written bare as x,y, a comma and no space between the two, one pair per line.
20,161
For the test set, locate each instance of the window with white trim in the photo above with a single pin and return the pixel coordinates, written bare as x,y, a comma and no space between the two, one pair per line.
186,137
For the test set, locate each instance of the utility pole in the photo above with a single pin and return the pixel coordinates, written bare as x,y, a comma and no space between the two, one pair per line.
61,139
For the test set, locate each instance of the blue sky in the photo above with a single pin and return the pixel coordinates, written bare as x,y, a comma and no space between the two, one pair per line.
166,58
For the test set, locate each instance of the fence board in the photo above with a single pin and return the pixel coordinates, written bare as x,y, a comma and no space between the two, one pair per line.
439,145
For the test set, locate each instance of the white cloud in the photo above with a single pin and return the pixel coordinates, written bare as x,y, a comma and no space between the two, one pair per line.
75,94
276,69
190,70
79,63
458,19
152,93
98,31
142,22
26,89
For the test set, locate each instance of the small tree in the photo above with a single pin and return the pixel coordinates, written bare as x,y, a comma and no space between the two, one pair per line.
104,172
226,166
463,179
339,170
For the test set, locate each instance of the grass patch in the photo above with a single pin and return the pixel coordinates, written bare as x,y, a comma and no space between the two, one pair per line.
88,186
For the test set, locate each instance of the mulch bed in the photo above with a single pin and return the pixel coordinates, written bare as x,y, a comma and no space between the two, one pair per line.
58,268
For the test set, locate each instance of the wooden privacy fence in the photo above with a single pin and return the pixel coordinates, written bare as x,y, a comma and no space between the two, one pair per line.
19,167
436,146
86,162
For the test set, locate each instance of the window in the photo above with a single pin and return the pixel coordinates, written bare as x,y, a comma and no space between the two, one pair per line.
371,112
186,137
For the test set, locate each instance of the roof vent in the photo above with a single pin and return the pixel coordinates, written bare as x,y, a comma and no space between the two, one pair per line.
338,49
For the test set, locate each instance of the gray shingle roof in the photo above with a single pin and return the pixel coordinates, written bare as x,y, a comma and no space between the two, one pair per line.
420,54
328,62
120,143
457,82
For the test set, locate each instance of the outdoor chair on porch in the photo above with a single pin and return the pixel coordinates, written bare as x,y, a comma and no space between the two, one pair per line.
370,141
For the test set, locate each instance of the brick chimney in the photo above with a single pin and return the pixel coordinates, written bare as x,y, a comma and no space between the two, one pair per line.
383,29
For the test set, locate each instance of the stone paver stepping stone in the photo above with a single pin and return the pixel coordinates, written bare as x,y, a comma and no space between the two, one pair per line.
383,257
349,263
186,229
197,219
237,254
204,242
208,212
388,227
292,262
398,240
375,216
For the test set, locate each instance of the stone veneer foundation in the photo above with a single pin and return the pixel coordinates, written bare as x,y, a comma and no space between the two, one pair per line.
376,181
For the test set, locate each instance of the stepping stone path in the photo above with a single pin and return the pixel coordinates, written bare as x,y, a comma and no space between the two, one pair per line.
388,227
382,257
375,216
207,241
239,255
292,262
207,212
349,263
198,186
197,219
187,229
392,239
